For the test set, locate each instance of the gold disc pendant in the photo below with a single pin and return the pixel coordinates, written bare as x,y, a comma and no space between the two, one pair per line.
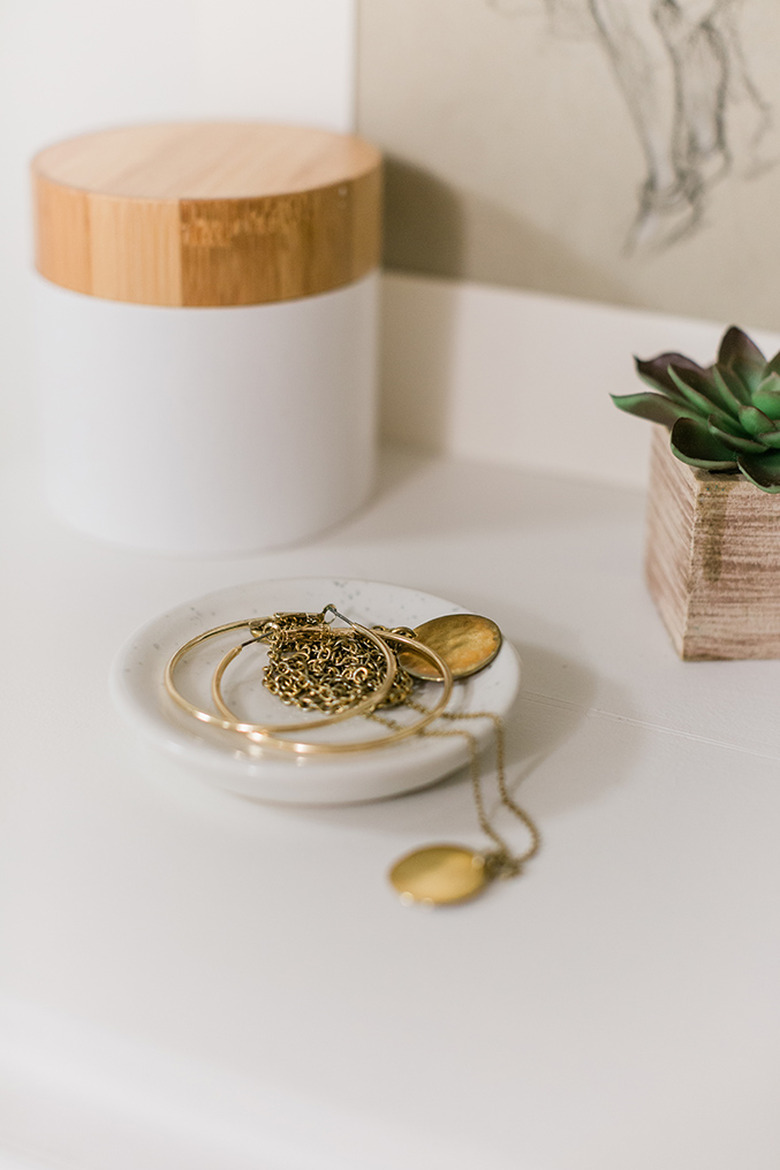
439,874
466,642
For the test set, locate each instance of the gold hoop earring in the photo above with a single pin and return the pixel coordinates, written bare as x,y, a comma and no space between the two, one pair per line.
364,706
268,737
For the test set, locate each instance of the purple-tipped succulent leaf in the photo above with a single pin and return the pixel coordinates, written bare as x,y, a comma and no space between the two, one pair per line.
762,470
754,421
739,353
733,391
773,366
722,418
766,396
656,371
703,404
693,443
655,407
735,442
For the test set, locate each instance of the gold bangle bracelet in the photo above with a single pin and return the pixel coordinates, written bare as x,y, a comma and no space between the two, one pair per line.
266,737
363,707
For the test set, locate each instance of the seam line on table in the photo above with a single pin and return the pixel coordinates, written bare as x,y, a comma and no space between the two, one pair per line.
599,712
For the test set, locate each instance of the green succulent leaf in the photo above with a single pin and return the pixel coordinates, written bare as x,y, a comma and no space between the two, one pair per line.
655,407
742,355
733,392
692,442
703,405
735,442
697,379
766,396
762,470
755,421
738,385
770,439
773,366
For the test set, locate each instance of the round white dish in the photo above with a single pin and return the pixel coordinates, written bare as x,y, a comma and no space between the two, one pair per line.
230,761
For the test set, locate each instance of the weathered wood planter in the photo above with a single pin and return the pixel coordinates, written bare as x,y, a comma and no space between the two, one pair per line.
713,559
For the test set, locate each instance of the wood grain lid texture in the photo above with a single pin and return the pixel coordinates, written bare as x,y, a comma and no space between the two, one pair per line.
207,213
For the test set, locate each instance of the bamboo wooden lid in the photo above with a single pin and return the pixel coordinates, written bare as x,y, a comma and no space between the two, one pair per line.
207,213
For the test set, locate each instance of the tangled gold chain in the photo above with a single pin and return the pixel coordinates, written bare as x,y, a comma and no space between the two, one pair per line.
311,667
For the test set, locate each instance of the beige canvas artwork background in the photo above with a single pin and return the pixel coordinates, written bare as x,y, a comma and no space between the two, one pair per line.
626,151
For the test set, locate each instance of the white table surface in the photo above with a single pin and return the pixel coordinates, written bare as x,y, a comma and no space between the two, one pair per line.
190,979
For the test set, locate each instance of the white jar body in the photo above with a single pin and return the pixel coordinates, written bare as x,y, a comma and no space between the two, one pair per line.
208,430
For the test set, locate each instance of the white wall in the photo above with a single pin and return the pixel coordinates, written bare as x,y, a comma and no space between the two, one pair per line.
508,376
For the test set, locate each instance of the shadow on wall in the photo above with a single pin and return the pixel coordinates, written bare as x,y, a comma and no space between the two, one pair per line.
432,229
423,234
424,230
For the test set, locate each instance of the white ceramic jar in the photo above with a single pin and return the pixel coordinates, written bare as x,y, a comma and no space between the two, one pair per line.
207,332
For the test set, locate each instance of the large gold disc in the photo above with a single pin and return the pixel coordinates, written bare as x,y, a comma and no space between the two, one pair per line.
439,874
466,642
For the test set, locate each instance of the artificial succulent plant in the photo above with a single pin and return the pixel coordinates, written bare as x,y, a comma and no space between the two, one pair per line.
725,417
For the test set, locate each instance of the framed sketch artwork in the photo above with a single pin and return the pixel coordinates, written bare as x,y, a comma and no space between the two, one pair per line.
618,150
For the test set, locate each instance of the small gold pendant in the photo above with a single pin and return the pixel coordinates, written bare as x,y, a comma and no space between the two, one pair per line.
466,642
439,874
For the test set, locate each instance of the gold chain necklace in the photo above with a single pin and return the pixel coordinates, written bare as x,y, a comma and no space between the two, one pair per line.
302,670
446,873
359,671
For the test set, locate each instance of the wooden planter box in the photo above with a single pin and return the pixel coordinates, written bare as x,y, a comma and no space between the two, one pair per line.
713,559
